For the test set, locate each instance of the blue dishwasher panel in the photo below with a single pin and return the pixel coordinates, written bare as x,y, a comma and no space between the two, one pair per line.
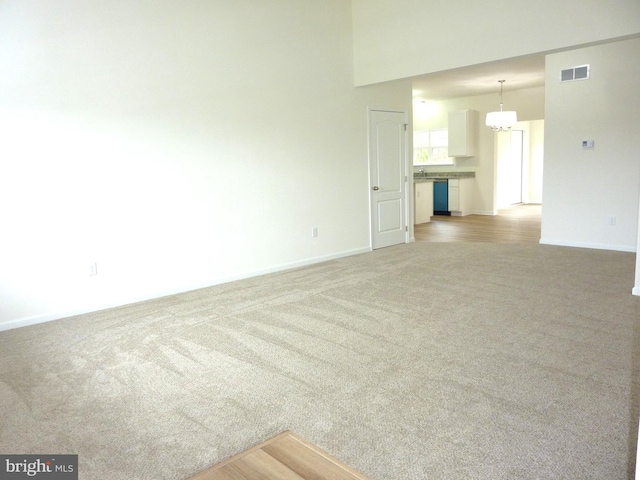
440,197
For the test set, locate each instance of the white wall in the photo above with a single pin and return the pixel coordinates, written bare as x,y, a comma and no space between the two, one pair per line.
585,188
176,144
529,104
406,38
536,162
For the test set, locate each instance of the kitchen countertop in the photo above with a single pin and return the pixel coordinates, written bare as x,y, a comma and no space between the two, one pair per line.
431,176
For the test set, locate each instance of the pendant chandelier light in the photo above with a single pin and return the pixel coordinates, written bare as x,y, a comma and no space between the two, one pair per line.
501,121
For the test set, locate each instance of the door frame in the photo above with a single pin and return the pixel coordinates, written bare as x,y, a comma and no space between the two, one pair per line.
521,161
408,191
504,158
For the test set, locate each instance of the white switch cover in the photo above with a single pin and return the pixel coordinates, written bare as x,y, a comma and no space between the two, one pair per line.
587,143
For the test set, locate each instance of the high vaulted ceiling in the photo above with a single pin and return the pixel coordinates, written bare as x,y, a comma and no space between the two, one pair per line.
518,73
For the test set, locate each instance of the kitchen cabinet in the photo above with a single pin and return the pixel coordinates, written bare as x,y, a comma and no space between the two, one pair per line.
423,202
460,196
463,133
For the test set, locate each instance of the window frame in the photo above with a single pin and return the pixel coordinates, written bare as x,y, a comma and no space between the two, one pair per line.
435,145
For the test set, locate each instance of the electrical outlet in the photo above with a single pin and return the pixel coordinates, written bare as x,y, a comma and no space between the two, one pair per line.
314,232
93,269
612,221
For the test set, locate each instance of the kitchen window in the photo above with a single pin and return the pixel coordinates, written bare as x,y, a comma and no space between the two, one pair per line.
430,147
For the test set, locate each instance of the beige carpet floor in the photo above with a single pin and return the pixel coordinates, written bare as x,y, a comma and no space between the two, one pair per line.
421,361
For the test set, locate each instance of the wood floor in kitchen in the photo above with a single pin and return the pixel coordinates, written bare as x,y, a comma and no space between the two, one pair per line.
518,224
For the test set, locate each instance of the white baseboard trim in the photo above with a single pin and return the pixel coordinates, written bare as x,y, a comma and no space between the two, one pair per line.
597,246
485,212
51,316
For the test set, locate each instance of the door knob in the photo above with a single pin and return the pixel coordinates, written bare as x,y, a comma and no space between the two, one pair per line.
376,188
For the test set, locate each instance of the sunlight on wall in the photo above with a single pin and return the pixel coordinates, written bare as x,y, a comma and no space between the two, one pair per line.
42,178
88,193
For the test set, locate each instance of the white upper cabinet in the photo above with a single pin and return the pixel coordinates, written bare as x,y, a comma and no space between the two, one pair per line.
463,133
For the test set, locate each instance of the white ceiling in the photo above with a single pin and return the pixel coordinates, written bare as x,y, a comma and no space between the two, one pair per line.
518,73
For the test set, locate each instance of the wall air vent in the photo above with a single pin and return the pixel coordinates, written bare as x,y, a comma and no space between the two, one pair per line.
575,73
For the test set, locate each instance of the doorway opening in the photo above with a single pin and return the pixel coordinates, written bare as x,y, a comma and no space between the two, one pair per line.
519,164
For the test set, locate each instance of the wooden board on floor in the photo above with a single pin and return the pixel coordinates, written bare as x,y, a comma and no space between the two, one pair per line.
284,457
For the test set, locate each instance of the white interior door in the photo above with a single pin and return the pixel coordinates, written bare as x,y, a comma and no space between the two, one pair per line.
388,182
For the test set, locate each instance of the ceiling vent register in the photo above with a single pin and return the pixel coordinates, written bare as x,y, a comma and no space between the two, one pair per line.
575,73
